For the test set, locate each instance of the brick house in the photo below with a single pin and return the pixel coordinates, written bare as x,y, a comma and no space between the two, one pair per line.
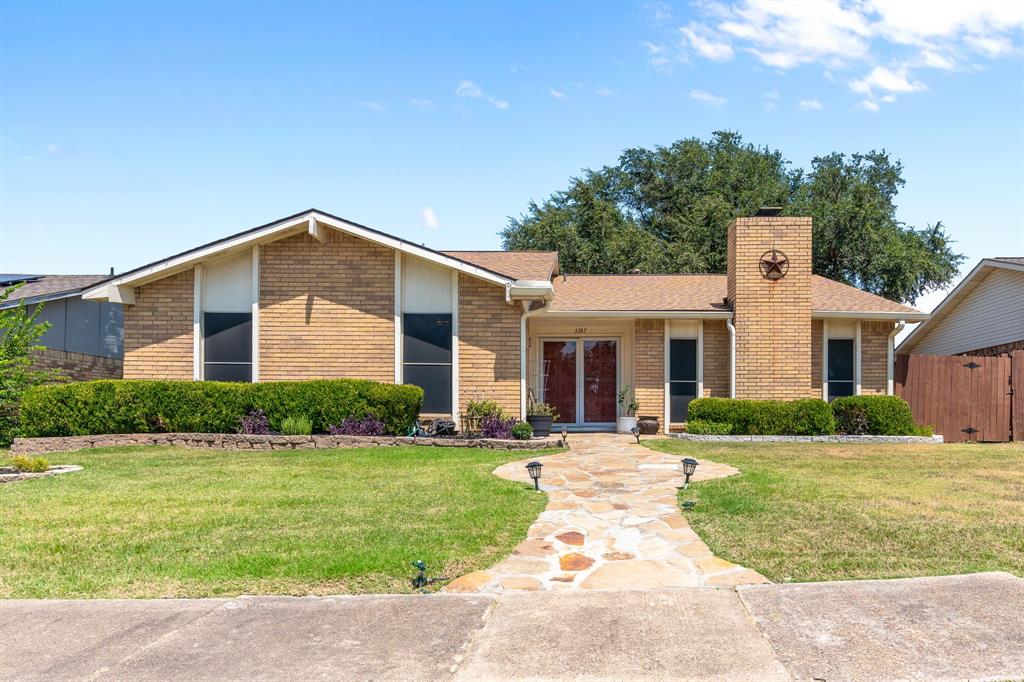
314,295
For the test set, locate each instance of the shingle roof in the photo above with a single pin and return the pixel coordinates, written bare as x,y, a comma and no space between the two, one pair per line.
1009,259
50,285
703,293
537,265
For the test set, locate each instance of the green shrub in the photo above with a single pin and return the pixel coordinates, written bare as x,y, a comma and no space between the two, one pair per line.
807,417
701,427
522,431
484,408
135,406
879,415
296,426
30,465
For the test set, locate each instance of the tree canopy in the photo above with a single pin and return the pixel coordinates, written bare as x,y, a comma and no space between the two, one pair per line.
667,209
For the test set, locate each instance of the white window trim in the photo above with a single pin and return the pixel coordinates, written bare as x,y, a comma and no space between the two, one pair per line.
824,358
398,317
255,313
667,367
455,346
197,323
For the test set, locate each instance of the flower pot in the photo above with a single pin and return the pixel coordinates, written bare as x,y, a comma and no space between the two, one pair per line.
471,426
648,425
625,424
541,424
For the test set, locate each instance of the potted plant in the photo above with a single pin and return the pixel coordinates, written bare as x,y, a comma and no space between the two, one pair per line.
541,416
476,411
628,404
648,425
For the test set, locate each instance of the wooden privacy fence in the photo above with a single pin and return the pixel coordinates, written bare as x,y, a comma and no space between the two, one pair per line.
965,398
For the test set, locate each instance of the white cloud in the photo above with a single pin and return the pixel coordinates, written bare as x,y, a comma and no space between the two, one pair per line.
604,92
902,35
770,100
51,149
468,89
428,218
706,97
557,94
660,11
375,107
881,78
472,90
422,104
657,55
868,104
702,41
810,105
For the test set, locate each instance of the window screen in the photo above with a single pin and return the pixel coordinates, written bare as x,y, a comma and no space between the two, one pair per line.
427,358
682,377
840,367
227,349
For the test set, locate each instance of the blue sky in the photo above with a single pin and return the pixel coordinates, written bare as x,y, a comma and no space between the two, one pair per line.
131,131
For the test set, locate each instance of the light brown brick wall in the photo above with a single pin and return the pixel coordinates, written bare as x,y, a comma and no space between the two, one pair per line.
488,345
649,368
77,366
874,341
158,330
326,310
716,359
772,318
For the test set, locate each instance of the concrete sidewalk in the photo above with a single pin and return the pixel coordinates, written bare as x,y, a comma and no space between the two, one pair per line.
951,628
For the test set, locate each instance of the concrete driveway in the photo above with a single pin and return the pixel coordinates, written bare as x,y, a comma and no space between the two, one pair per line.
960,627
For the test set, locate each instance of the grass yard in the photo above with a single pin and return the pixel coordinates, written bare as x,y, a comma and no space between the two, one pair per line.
170,522
815,511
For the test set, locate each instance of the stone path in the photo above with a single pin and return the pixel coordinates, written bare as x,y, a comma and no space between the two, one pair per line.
612,523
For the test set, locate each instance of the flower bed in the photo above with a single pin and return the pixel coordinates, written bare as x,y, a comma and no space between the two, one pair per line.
805,439
239,441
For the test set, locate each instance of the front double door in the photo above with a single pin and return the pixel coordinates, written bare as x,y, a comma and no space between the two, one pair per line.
580,378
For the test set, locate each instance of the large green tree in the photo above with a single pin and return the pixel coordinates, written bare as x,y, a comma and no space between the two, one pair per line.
667,210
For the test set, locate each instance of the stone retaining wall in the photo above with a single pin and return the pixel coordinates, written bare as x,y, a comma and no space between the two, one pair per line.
807,439
234,441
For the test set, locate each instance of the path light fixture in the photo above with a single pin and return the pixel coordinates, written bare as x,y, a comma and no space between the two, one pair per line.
689,466
534,469
565,436
636,433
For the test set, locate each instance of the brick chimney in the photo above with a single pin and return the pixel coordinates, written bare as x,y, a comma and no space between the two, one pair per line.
769,267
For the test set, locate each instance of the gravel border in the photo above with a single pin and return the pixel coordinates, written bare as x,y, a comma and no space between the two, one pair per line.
236,441
807,439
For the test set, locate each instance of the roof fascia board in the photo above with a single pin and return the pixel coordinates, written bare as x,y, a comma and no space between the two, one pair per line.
407,247
958,291
187,260
867,315
39,298
646,314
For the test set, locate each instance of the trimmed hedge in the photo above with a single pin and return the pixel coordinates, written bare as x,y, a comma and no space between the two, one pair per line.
805,417
877,415
138,406
699,427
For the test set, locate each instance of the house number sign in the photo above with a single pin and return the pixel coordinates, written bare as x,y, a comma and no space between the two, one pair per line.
580,330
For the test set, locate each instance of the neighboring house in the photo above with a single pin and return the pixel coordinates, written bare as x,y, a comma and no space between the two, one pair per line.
84,339
314,295
983,315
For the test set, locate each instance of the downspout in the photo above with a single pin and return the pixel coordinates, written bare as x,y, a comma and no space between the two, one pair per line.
891,359
527,313
732,357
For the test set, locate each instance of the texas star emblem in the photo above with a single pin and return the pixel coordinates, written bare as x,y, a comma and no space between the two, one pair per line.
774,264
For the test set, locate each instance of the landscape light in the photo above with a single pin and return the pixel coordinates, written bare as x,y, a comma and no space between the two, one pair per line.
689,466
534,469
636,432
565,436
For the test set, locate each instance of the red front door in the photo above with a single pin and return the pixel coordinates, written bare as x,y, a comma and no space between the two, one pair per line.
579,378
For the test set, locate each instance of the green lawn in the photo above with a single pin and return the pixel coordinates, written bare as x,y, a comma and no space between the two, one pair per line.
806,512
170,522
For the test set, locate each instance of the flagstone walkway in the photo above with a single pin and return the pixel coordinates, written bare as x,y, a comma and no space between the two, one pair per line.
612,522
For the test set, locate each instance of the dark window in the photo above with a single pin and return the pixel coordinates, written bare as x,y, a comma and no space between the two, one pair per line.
840,367
227,349
682,377
427,358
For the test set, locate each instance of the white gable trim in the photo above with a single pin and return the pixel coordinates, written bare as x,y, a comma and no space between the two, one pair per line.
950,302
121,288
